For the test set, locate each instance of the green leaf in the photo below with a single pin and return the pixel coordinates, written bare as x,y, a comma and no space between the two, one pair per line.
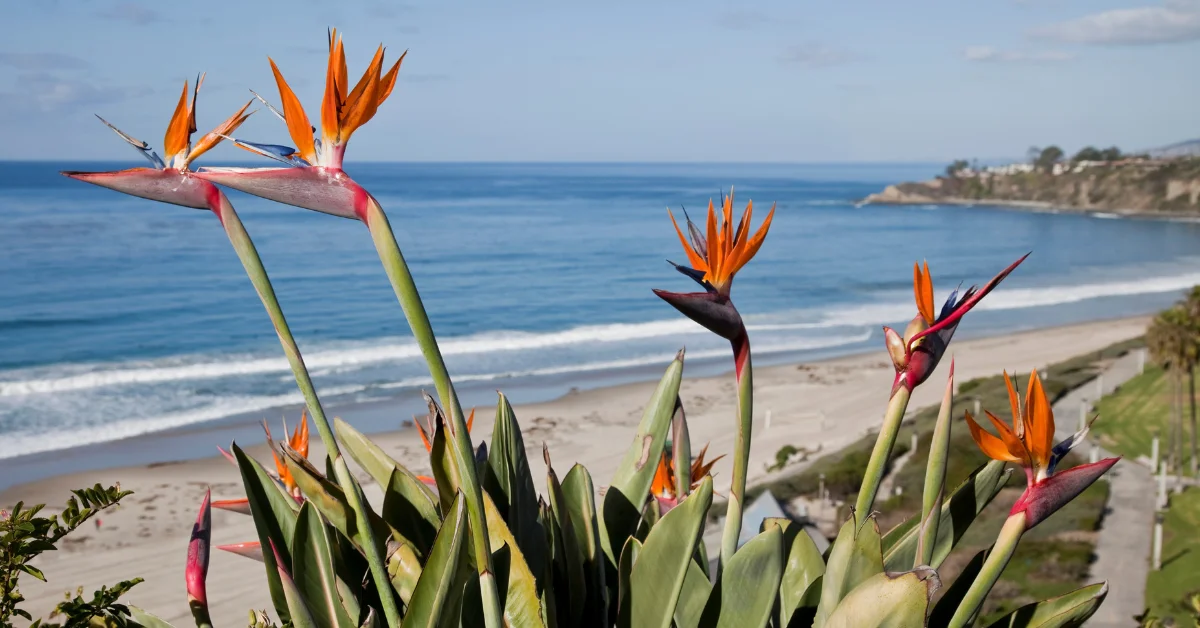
579,498
692,596
887,601
33,571
630,486
662,565
567,557
976,492
301,616
313,564
144,619
629,556
409,511
429,599
274,517
375,462
749,584
510,484
519,597
854,557
1066,611
804,566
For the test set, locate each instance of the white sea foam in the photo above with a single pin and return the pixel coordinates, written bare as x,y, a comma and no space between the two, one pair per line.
63,378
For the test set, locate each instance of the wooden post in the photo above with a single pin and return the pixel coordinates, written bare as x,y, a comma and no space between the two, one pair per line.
821,487
1158,521
1142,361
1162,485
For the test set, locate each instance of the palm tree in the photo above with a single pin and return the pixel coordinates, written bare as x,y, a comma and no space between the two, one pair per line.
1191,305
1170,341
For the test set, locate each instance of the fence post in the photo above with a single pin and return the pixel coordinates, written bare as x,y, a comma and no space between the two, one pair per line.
1083,410
1154,454
1158,523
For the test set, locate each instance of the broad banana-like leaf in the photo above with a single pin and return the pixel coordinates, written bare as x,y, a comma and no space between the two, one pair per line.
330,501
144,619
948,603
509,482
274,517
406,509
435,586
629,556
519,597
976,492
693,596
630,486
662,564
1066,611
887,601
404,570
313,564
579,499
803,567
378,464
567,556
297,608
441,459
749,584
854,557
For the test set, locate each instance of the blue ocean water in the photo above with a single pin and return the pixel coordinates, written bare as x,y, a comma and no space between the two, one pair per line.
123,317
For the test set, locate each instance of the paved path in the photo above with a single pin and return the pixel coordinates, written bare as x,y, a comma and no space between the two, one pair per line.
1123,545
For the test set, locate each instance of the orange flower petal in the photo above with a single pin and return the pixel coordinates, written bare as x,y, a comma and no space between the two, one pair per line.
176,139
714,245
991,446
923,292
1039,422
297,121
361,85
755,242
299,440
664,478
213,138
361,109
331,104
694,258
471,420
389,81
424,437
1014,445
1014,400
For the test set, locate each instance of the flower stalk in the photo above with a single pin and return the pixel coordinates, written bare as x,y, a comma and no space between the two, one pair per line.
741,446
993,566
884,443
935,477
418,319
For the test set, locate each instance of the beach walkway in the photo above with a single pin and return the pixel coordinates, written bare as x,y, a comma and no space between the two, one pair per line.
1123,544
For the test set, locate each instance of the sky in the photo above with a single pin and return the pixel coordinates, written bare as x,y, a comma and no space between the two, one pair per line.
797,81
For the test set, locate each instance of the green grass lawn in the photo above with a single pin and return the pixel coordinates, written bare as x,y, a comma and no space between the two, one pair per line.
1052,559
1140,410
1167,590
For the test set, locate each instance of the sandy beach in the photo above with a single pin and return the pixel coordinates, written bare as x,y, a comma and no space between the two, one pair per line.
824,404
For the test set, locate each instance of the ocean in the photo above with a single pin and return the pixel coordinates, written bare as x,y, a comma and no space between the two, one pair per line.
124,317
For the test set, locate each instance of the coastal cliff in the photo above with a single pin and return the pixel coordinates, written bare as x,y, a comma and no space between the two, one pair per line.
1150,187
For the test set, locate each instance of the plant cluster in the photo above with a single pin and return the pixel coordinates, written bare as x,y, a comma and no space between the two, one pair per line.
477,545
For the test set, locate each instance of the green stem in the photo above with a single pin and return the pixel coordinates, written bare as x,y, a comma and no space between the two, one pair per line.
935,477
741,448
248,254
463,453
200,614
880,454
993,566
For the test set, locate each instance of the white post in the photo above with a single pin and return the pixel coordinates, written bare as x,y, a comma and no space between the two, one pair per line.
1158,541
821,487
1083,410
1162,485
913,448
767,422
1141,361
977,406
1095,455
1154,453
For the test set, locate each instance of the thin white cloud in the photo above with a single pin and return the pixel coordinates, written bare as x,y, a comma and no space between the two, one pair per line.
48,93
41,61
990,54
1175,21
816,55
132,12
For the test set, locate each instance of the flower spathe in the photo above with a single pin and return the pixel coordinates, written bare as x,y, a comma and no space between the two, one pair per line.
313,176
170,180
1030,443
298,442
917,353
716,255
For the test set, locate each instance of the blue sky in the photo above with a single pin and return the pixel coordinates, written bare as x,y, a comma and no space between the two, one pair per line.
622,81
